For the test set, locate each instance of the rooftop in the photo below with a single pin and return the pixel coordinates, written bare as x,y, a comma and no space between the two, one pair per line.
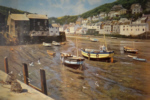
19,17
36,16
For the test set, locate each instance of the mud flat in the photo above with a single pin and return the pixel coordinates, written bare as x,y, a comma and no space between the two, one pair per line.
125,79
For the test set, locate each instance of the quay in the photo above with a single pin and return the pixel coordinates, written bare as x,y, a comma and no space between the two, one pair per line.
29,92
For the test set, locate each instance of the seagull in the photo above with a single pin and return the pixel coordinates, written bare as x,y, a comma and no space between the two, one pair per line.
39,61
31,64
96,84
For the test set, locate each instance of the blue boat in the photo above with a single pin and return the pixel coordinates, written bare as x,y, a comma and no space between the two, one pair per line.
139,59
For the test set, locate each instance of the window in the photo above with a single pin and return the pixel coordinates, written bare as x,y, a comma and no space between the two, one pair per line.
131,29
51,31
127,29
123,29
143,30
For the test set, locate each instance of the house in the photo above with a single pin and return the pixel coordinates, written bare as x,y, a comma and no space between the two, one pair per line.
133,29
103,15
136,8
62,28
117,10
39,25
147,20
84,21
108,27
89,19
53,30
79,21
18,25
81,30
95,18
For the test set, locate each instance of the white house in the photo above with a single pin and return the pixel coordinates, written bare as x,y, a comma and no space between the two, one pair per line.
95,18
103,15
133,29
108,27
53,30
117,10
136,8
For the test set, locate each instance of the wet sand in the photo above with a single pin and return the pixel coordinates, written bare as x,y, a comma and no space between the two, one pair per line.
125,79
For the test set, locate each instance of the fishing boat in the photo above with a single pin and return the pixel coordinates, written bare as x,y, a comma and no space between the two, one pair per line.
97,54
47,44
139,59
72,60
103,53
130,50
55,43
93,40
51,53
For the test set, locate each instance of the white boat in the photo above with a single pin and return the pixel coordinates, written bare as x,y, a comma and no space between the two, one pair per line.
94,39
47,44
131,56
55,43
72,60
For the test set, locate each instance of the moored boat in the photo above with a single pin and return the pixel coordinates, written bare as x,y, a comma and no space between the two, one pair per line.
94,39
72,60
131,56
47,44
139,59
130,50
97,54
55,43
51,53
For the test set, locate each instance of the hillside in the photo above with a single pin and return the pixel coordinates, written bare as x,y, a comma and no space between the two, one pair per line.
63,20
105,8
5,11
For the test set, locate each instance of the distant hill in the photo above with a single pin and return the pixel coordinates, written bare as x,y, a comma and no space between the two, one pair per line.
5,11
63,19
106,8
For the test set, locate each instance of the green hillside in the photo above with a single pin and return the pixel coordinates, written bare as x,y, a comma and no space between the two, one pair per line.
63,20
5,11
106,8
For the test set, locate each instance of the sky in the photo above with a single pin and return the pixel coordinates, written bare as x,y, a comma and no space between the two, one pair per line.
54,8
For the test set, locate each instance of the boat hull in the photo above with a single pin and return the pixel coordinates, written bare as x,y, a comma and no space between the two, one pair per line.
130,50
103,55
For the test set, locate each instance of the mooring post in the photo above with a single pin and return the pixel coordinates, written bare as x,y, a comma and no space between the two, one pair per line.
112,60
43,81
25,73
6,65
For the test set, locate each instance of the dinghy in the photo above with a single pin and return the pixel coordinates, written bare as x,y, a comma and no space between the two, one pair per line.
51,53
139,59
47,44
55,43
94,40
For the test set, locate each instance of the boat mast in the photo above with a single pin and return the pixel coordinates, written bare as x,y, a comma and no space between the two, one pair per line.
76,45
105,42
